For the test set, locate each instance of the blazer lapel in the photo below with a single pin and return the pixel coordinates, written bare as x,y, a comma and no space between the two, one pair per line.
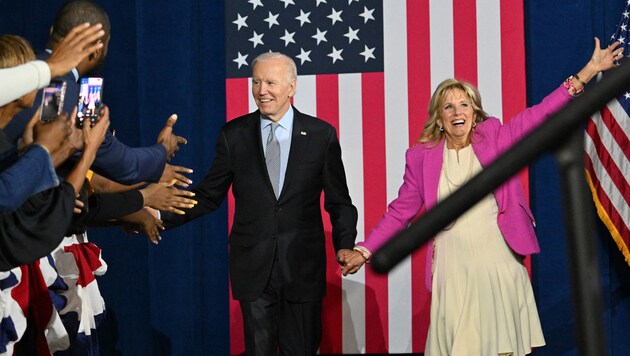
486,154
300,137
258,154
432,169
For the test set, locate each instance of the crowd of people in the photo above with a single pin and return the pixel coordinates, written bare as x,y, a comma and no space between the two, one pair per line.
58,180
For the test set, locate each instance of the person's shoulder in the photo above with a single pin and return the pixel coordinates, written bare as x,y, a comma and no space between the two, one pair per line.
490,121
488,125
241,122
422,147
311,122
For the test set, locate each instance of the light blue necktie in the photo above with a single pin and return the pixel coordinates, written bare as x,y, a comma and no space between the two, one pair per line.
273,158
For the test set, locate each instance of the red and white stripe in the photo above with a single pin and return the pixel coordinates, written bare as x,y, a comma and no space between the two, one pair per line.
378,116
607,148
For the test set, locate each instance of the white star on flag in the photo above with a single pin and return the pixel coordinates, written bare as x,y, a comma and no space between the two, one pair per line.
256,39
335,16
367,14
352,35
368,53
288,38
241,60
320,36
272,19
304,56
303,18
256,3
240,21
287,3
335,54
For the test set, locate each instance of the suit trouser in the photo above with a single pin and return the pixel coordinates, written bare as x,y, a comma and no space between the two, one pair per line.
275,326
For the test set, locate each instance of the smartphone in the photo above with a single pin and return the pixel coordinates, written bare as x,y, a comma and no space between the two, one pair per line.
90,100
52,100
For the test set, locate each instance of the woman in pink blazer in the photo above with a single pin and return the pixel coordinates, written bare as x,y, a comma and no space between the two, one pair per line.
482,301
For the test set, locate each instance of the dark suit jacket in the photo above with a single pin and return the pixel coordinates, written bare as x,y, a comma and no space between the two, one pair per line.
290,226
114,159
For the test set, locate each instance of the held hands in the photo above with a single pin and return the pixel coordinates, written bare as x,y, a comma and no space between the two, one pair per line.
168,139
351,261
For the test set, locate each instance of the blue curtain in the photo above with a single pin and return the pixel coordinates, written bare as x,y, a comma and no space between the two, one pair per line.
168,57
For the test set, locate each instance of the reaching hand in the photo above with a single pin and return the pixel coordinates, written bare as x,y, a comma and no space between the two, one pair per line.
77,44
604,59
94,135
144,220
601,60
165,197
168,139
171,175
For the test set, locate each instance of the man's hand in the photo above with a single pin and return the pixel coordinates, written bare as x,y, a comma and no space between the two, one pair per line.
165,197
172,175
144,220
351,261
77,44
168,139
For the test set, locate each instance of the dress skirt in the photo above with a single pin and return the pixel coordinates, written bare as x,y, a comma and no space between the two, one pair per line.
482,301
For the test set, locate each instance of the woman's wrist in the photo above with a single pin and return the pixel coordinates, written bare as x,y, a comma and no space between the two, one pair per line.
572,88
364,252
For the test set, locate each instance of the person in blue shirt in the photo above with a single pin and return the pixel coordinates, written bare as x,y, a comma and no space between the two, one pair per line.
34,170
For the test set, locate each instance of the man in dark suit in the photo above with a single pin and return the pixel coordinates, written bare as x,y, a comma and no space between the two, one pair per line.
277,257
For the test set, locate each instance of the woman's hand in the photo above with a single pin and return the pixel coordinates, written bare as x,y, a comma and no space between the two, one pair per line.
604,59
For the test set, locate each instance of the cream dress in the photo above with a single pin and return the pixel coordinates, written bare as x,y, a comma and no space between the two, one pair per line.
482,300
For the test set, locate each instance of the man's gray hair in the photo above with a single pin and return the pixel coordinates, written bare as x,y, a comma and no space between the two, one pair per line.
292,68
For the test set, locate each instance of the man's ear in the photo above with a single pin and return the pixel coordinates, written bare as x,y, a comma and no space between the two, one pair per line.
293,87
96,55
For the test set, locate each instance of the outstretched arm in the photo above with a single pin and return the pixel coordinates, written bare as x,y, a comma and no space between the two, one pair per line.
601,60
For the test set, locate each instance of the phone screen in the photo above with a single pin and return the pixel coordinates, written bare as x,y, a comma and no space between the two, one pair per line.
52,100
90,100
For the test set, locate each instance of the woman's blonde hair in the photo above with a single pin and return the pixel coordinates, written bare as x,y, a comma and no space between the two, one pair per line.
431,132
14,50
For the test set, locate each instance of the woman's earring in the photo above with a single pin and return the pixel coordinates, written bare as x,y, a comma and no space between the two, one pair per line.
474,125
441,128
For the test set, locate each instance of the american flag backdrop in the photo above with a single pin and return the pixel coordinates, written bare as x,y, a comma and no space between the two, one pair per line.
369,67
607,147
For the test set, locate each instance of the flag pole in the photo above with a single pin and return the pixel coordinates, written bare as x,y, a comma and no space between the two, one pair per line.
553,134
580,230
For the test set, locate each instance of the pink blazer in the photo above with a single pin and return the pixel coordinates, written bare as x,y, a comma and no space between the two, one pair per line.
490,139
